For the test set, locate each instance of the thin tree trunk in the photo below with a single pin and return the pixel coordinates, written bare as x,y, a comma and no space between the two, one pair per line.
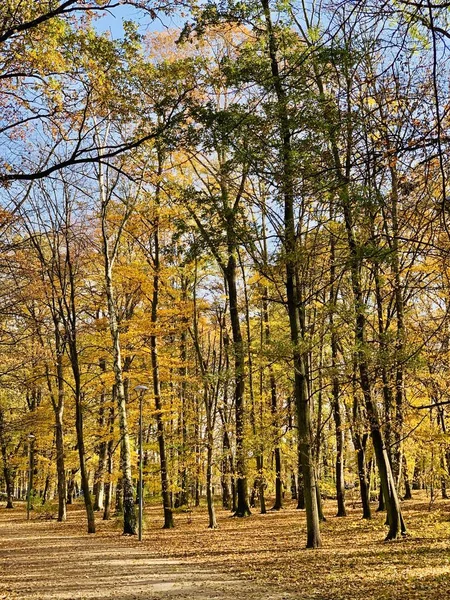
71,486
58,408
360,443
7,472
212,524
242,509
227,467
364,484
73,354
300,484
82,455
396,524
278,504
99,476
109,256
336,407
109,462
184,493
259,483
408,494
165,491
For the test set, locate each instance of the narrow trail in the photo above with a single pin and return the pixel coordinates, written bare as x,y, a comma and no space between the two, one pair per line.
46,560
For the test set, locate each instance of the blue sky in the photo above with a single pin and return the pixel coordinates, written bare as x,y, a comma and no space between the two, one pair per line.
112,21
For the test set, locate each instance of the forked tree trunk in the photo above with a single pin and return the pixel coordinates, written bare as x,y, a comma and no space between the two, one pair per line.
388,485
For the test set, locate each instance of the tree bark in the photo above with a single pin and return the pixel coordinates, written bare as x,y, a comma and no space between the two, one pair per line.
82,454
109,462
58,409
59,437
294,301
109,256
396,524
336,407
165,491
7,472
99,476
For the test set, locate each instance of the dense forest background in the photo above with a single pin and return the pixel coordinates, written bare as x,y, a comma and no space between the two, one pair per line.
246,219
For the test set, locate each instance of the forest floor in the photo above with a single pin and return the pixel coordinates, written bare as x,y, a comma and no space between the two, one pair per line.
261,557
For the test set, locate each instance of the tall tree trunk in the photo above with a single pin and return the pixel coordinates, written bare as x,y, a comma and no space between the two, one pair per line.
242,509
343,173
364,483
58,409
300,484
167,506
294,302
82,453
165,491
184,493
278,504
212,523
7,471
227,466
109,461
59,440
359,440
408,494
388,485
109,256
336,407
210,398
71,486
259,483
73,354
129,510
225,473
99,476
340,483
399,309
70,318
8,480
387,391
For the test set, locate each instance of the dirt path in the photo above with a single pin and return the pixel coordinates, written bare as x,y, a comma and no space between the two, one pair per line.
260,558
48,561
